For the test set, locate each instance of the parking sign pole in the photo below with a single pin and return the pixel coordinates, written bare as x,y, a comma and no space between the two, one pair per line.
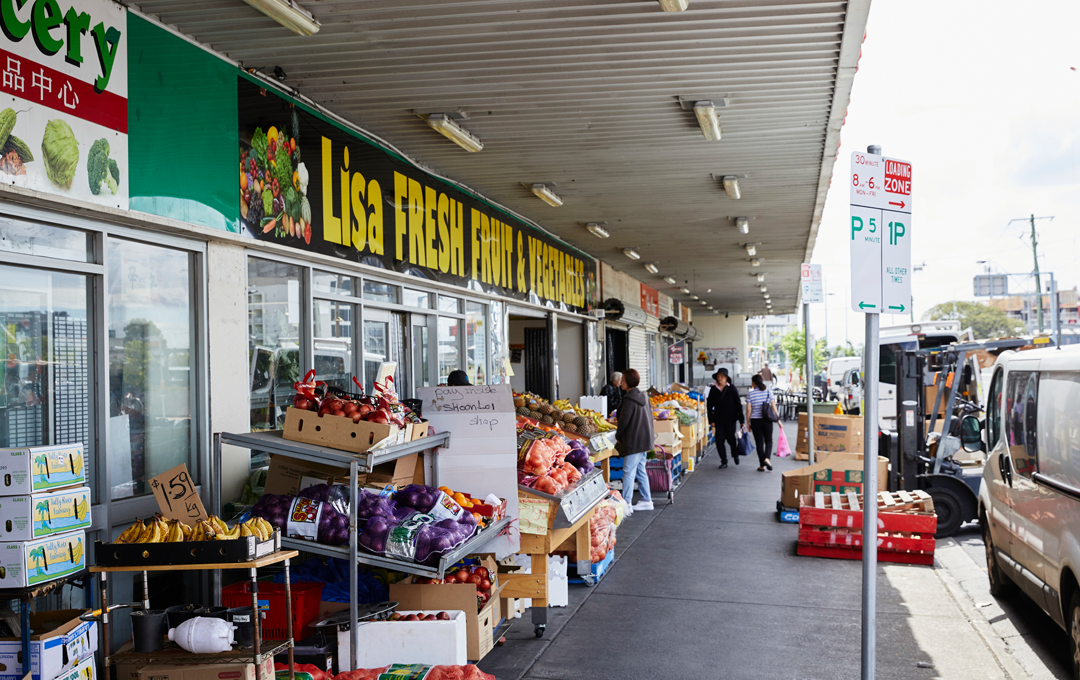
870,485
809,380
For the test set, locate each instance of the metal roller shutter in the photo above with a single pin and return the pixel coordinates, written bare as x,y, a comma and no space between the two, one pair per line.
639,358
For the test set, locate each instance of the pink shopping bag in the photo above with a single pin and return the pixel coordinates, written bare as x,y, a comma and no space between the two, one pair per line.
783,449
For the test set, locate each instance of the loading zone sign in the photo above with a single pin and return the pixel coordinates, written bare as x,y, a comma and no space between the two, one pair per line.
880,234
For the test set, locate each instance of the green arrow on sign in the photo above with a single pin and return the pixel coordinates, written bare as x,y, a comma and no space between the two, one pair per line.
864,305
901,308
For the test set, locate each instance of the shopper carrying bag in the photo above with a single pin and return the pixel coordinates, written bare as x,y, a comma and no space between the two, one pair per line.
725,411
635,434
762,427
783,449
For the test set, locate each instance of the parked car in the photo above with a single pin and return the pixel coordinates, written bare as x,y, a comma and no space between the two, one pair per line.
835,371
849,391
1029,503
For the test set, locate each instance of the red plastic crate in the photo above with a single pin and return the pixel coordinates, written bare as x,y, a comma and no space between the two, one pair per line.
305,606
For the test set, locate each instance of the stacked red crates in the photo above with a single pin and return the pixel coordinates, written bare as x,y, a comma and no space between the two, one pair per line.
830,525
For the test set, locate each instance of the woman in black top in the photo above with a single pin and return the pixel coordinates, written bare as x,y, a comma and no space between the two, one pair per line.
725,412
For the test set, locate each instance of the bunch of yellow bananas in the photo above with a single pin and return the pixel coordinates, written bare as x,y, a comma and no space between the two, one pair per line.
563,405
596,417
161,530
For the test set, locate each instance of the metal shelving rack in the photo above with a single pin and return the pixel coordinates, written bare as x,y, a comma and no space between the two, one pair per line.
25,596
275,443
259,653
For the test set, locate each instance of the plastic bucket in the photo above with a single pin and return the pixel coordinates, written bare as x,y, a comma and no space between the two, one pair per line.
213,613
177,614
244,620
148,629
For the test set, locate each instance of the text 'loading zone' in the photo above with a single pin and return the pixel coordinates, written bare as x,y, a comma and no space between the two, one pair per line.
880,234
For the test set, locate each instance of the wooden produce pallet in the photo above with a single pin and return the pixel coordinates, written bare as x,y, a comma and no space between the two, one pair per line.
830,525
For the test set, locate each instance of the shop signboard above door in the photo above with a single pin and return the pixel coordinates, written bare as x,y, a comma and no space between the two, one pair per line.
309,184
63,99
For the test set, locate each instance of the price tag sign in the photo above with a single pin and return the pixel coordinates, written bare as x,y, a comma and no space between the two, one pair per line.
176,495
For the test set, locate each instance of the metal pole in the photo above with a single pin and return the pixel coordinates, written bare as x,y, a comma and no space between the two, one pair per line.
809,382
870,486
871,376
1038,281
1055,324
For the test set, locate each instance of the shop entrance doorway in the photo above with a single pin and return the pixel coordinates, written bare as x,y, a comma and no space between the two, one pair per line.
618,350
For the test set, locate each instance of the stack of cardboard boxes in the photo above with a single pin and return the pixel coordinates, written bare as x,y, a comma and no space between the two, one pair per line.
832,434
44,514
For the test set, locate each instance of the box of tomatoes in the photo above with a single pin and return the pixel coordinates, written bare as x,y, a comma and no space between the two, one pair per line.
472,589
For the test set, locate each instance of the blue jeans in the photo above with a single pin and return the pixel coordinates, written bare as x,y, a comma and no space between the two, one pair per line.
634,468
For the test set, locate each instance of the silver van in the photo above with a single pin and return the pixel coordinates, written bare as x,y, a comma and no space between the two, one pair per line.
1029,503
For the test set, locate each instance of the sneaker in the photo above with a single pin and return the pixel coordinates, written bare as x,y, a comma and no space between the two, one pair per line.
643,505
723,466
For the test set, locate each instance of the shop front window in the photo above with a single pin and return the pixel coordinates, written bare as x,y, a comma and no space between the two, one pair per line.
415,298
380,292
44,240
475,343
449,304
45,397
376,350
273,340
331,284
449,347
151,364
332,327
420,347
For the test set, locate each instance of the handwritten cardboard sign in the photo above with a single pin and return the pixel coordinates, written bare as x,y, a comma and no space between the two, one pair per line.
534,515
176,495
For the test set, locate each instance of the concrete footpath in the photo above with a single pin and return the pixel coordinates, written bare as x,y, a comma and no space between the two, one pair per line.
711,587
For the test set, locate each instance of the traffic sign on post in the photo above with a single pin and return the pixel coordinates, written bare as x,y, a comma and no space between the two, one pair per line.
813,289
880,234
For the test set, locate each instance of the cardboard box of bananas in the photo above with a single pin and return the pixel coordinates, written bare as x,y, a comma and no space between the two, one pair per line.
161,530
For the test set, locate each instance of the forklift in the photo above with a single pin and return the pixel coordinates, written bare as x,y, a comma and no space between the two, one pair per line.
945,461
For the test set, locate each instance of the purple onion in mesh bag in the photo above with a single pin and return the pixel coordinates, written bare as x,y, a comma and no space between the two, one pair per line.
274,508
418,496
371,504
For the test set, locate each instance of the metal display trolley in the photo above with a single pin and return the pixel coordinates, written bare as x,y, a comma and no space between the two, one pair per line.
569,513
27,595
275,443
259,653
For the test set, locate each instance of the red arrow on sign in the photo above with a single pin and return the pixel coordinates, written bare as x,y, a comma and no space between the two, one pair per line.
901,203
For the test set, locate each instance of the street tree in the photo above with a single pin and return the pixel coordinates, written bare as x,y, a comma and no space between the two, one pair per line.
983,320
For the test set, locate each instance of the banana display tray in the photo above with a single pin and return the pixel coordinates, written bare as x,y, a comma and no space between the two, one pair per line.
243,549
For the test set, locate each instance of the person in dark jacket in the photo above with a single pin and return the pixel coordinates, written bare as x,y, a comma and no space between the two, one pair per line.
635,433
725,413
613,392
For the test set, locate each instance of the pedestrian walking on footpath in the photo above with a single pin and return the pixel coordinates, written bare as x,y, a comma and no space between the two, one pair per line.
757,401
725,414
635,435
767,375
613,392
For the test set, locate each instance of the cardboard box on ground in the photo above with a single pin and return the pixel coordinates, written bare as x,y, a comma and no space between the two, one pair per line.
290,475
840,472
460,597
432,643
60,640
207,671
831,433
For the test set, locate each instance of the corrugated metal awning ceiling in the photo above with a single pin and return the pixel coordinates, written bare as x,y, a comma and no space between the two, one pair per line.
584,95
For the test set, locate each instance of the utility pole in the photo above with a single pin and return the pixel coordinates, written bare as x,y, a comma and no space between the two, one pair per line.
1038,281
1035,254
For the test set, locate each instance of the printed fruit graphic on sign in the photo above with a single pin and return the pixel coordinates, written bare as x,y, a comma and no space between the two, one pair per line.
273,184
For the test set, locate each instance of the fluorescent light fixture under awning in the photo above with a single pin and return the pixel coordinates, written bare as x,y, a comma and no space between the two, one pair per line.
751,249
596,230
448,127
731,186
708,120
288,14
651,268
547,195
674,5
670,279
743,225
631,253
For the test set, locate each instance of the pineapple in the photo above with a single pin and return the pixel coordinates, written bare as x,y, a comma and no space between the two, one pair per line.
536,415
569,417
547,419
581,421
522,411
545,409
569,427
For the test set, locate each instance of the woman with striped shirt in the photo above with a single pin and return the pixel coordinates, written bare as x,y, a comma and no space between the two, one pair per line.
760,424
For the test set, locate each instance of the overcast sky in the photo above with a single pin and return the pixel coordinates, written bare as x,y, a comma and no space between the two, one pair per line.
981,98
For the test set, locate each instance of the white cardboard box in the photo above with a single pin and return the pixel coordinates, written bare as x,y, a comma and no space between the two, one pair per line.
423,642
56,649
26,517
41,468
27,563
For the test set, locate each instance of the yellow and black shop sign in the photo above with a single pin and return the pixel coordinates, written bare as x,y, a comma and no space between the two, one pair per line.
307,184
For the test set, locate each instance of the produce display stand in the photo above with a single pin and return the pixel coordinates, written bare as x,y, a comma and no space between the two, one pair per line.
275,443
601,449
569,513
27,595
603,459
260,652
